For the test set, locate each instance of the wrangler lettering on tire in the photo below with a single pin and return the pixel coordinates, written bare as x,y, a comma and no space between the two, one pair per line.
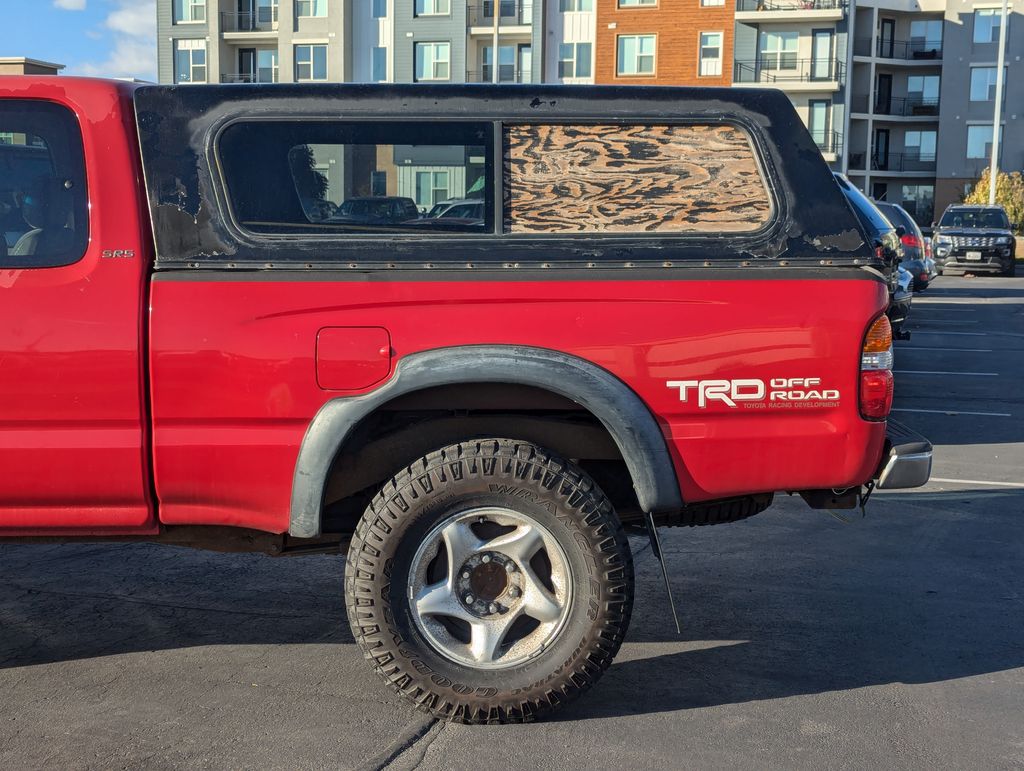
489,582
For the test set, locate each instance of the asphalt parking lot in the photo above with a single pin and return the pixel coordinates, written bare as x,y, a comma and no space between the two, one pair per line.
896,640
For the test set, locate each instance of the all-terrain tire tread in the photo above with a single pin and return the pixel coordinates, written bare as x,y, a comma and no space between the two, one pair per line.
374,628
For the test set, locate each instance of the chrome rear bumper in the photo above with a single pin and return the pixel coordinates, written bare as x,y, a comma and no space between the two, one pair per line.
907,460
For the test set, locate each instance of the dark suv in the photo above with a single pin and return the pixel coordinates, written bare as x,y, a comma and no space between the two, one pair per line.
978,239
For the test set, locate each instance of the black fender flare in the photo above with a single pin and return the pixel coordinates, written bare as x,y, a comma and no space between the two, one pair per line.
615,404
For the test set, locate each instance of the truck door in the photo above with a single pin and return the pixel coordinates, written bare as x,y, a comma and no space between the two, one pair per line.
72,437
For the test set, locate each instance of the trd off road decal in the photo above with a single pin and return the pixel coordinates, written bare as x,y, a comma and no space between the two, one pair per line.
777,393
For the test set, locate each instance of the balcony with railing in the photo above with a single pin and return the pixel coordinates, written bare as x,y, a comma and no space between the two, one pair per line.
785,71
511,13
899,162
506,74
248,77
787,10
829,142
898,107
917,49
261,20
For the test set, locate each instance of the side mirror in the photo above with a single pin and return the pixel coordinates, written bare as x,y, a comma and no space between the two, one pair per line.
900,231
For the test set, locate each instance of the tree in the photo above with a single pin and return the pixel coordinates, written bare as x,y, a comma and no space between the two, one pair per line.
1009,194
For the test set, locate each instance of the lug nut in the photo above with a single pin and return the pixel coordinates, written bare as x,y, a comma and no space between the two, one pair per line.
492,608
510,567
465,574
486,558
514,591
469,599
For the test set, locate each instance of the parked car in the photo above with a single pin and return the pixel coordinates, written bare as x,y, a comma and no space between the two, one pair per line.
375,210
915,259
469,209
975,239
478,420
886,242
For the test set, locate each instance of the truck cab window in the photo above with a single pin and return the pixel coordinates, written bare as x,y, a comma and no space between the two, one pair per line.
43,203
335,178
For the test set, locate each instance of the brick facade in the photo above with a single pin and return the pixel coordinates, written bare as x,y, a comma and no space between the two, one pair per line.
677,25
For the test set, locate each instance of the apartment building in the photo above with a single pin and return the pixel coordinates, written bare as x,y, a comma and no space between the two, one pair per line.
922,99
896,93
269,41
801,47
664,42
967,96
253,41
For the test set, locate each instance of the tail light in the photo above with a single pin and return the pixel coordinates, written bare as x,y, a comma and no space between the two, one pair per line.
924,276
876,381
909,239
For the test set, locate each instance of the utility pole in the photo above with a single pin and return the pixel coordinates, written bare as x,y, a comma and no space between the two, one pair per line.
997,116
496,9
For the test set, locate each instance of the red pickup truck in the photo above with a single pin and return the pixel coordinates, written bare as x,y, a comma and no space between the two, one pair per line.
660,310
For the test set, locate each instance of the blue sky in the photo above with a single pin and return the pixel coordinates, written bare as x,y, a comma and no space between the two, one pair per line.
108,38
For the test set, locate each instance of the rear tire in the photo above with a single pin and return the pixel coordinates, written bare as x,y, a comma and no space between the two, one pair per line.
446,601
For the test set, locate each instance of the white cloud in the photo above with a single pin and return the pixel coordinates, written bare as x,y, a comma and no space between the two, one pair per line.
69,5
132,26
134,18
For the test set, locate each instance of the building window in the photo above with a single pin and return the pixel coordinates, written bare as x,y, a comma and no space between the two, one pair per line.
923,89
431,188
926,35
778,50
574,60
819,115
380,9
266,65
710,54
379,64
637,3
979,141
432,61
919,201
708,3
310,7
189,11
310,62
983,84
433,7
569,6
986,25
189,61
920,145
266,11
636,55
514,62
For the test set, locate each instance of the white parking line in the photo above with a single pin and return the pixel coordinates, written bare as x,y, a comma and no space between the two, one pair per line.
962,334
976,482
956,350
934,372
950,321
954,412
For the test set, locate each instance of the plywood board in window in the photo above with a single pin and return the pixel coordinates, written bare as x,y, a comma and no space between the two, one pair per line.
632,179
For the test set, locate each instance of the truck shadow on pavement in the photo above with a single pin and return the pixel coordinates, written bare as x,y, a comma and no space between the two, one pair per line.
927,589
